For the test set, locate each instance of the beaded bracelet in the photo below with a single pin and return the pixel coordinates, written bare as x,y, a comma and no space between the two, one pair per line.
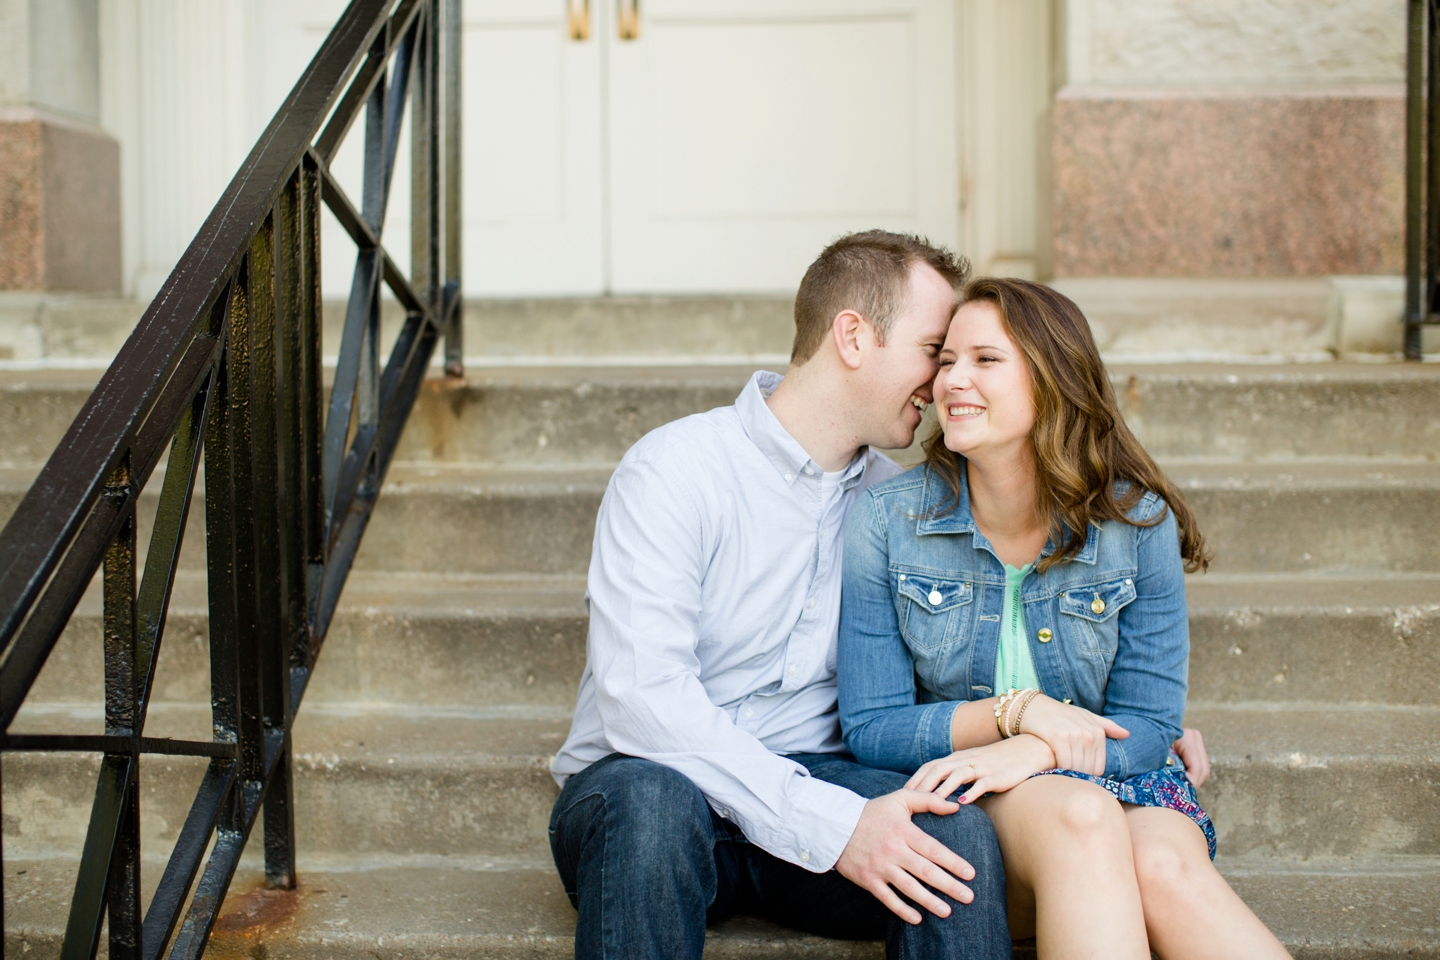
1000,712
1020,710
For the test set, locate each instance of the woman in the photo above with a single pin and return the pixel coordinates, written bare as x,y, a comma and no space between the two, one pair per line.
1028,577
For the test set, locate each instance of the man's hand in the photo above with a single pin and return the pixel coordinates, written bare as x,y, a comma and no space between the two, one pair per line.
1191,748
888,851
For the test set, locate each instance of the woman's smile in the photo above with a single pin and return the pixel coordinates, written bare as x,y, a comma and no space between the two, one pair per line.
983,385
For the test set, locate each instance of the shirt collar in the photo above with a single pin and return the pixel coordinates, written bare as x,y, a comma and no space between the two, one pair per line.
781,449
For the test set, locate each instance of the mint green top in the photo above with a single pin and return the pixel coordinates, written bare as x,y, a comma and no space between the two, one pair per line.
1014,667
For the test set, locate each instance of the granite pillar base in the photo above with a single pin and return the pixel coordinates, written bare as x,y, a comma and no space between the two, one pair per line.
59,205
1152,184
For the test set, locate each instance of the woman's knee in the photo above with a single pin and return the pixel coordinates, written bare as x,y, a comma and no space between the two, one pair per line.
1168,865
1085,810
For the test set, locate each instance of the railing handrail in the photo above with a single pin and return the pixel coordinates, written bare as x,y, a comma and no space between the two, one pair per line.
75,474
225,363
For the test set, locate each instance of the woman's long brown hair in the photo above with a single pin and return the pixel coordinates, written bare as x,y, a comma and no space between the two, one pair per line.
1083,449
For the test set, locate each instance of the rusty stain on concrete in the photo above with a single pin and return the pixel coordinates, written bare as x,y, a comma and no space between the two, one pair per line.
252,917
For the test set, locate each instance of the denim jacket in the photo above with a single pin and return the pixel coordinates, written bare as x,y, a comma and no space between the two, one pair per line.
921,603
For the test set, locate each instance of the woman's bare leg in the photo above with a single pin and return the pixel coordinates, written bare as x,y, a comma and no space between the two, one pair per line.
1190,911
1068,868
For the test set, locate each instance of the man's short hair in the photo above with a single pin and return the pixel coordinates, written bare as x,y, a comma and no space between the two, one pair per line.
868,273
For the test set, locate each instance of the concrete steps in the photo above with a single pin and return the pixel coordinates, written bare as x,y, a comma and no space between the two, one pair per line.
449,674
568,415
1335,517
520,639
502,910
1295,781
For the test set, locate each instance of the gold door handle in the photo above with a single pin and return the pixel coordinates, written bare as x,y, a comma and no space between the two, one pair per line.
628,19
577,19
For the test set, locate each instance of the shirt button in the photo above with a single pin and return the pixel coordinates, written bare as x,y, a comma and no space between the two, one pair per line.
935,598
810,604
805,856
791,671
1129,583
749,713
809,472
789,477
902,577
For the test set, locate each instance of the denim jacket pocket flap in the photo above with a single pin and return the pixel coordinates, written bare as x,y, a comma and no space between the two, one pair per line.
934,595
1097,603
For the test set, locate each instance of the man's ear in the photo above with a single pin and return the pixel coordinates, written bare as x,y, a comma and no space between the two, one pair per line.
852,334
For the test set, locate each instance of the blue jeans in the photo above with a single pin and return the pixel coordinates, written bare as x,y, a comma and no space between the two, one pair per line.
649,865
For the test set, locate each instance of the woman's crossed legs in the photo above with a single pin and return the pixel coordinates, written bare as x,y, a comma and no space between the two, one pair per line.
1090,877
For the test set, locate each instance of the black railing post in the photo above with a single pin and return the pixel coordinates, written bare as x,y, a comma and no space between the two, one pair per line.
226,363
1414,172
122,718
1422,173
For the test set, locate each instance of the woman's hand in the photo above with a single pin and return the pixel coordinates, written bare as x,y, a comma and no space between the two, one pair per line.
1076,735
993,768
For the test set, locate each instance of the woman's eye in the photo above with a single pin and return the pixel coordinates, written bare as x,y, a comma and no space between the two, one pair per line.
946,363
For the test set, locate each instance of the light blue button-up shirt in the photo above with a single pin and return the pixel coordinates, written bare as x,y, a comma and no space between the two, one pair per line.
714,598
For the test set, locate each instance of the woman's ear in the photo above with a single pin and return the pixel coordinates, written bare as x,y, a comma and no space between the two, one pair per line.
852,334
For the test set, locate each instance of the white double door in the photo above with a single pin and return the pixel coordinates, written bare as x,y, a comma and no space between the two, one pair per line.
716,151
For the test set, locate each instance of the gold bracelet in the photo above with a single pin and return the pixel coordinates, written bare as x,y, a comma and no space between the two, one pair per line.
1015,702
1000,711
1020,711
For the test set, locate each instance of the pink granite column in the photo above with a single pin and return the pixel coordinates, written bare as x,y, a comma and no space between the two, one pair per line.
1161,185
59,204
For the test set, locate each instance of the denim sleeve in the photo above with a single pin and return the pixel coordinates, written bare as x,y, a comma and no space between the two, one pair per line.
1148,681
882,724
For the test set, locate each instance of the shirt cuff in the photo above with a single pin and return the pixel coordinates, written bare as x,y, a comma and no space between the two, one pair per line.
824,816
934,734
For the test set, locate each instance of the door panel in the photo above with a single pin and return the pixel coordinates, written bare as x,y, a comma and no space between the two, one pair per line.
532,184
745,136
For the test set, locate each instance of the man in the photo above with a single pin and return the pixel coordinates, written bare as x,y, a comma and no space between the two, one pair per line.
704,773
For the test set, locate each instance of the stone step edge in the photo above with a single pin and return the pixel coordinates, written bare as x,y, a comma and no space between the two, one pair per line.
523,912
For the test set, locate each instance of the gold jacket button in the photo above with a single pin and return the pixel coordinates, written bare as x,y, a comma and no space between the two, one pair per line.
1045,635
1098,606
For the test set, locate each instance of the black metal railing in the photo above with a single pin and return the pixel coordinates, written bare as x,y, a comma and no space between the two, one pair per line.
1422,173
226,362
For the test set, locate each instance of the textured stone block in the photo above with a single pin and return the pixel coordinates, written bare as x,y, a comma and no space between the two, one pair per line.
1165,185
59,206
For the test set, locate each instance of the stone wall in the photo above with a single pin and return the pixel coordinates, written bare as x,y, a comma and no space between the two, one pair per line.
1229,137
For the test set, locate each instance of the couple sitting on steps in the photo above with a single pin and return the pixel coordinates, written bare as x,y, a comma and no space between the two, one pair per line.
855,750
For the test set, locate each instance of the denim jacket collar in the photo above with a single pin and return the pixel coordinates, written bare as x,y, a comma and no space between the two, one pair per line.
936,494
